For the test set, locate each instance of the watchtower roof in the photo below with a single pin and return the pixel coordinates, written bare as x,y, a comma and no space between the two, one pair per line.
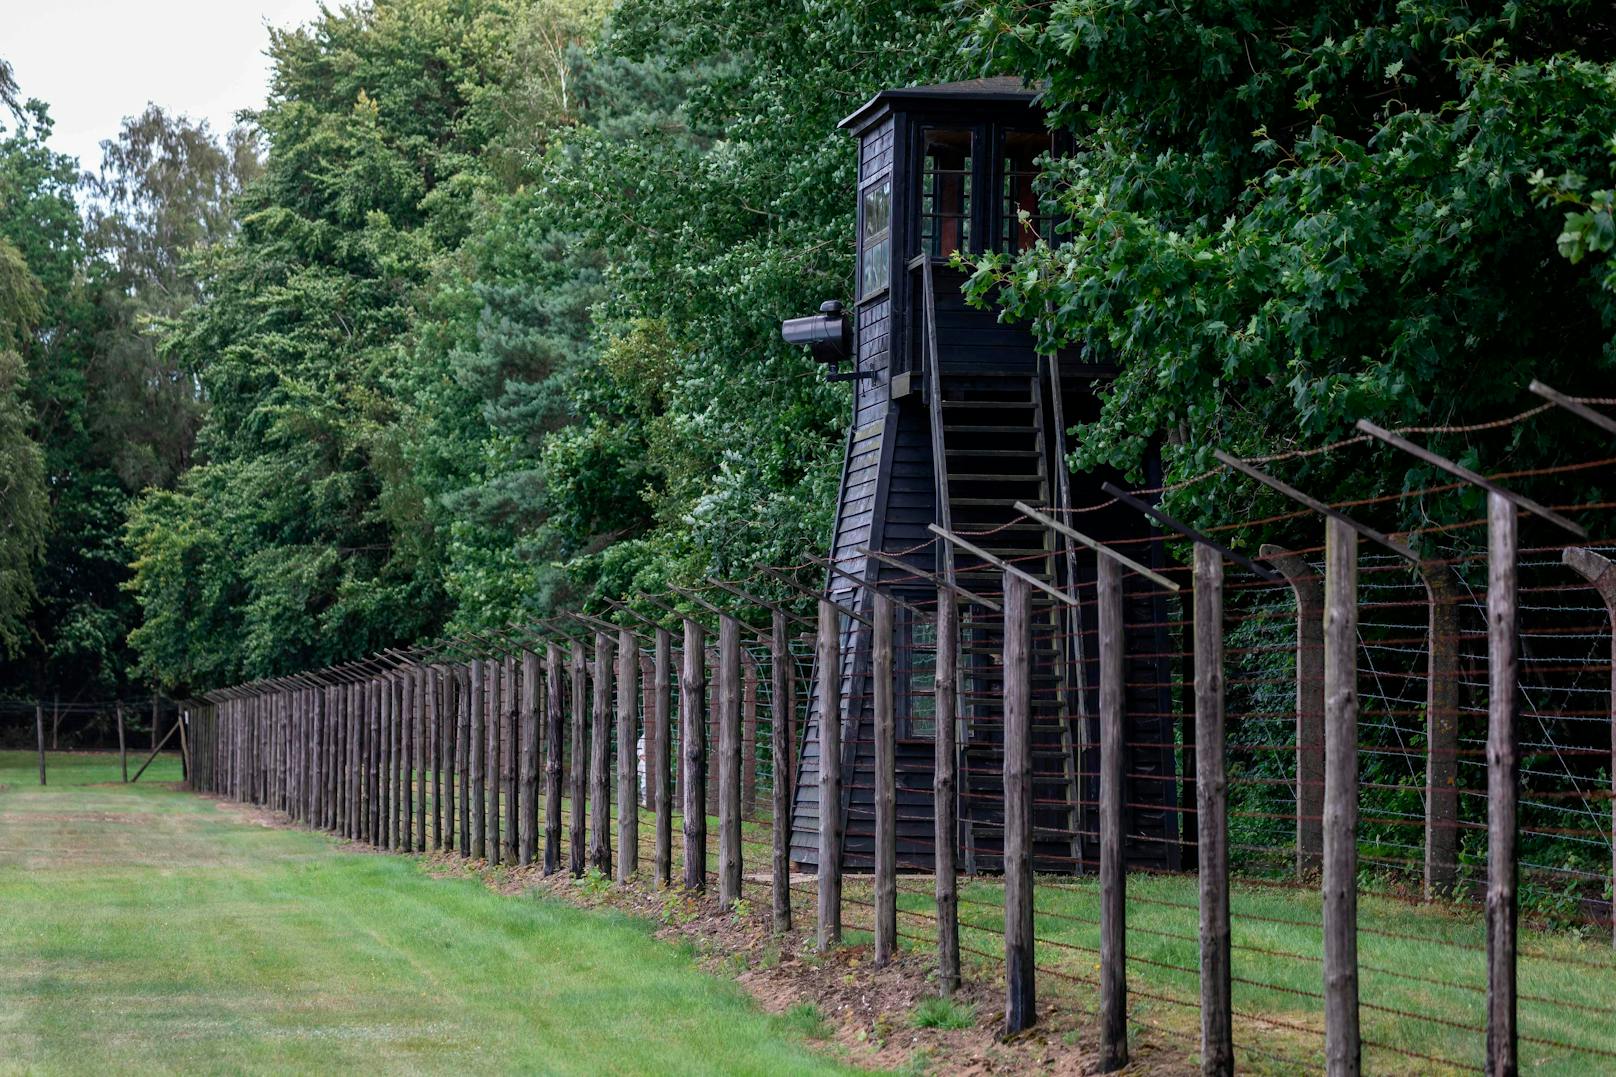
1004,89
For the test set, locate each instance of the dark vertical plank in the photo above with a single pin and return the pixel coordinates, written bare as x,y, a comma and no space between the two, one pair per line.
434,703
1503,774
628,759
829,666
478,744
407,726
579,773
600,744
1020,976
423,751
1212,818
510,726
555,732
886,777
729,761
494,719
123,750
780,771
946,831
661,764
692,744
1343,1050
39,738
531,720
1113,870
1309,591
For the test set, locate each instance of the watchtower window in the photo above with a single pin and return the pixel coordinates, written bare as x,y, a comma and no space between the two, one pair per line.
945,193
875,237
1018,192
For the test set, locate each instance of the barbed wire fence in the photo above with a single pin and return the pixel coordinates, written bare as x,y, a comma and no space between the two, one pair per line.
1391,773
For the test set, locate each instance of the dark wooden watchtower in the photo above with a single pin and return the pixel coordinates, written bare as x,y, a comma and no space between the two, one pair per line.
955,418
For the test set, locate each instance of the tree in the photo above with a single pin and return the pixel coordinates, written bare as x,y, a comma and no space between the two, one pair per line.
163,194
23,504
1282,221
318,543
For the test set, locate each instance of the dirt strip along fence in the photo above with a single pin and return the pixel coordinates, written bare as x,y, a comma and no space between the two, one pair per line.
1363,734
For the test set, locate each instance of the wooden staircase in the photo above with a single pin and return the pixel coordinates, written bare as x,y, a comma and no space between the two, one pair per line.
993,441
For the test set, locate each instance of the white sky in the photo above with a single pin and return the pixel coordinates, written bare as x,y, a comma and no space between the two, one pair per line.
96,61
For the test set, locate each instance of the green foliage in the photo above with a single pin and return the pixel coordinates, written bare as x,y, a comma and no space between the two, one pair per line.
1280,222
804,1019
944,1013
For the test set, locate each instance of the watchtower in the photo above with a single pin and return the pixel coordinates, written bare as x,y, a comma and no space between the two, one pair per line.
956,416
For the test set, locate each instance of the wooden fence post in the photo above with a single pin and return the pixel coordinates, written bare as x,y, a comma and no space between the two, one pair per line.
479,747
946,832
555,741
1309,591
1441,733
578,776
600,792
886,777
1113,869
39,737
780,771
434,698
1600,571
531,721
628,762
1503,768
123,750
729,761
1212,817
830,777
1020,971
511,725
692,708
494,717
1342,1048
659,770
407,729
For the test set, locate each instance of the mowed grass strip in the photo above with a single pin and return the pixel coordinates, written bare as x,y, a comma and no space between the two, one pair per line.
151,930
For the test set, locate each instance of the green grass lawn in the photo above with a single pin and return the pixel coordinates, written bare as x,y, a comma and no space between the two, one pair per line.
150,930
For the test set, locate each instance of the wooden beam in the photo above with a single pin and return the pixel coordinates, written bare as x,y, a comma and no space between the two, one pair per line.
781,577
1097,546
1173,524
933,578
1212,817
1503,781
886,778
1002,565
660,770
1419,452
829,665
628,760
1342,1047
1020,946
944,791
692,747
1581,411
1317,506
780,746
1113,867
